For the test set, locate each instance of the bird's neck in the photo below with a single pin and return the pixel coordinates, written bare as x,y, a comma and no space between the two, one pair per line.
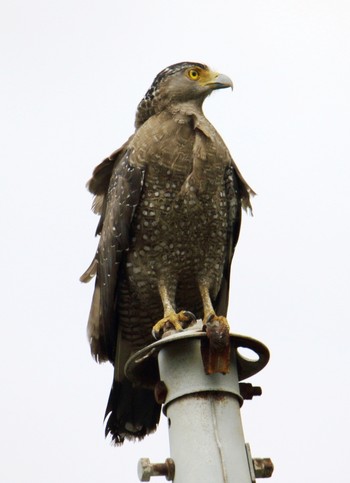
190,108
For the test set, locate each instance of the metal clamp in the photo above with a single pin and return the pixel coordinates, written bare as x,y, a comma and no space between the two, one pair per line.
145,360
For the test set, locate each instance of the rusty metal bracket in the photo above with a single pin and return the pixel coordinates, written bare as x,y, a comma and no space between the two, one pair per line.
145,361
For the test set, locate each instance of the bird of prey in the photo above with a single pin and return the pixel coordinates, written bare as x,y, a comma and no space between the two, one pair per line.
170,202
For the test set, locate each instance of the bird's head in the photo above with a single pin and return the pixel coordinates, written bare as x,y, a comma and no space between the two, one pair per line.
181,82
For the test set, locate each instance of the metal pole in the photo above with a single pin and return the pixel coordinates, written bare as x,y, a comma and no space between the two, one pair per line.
205,429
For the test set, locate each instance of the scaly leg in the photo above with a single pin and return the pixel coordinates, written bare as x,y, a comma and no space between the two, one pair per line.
171,321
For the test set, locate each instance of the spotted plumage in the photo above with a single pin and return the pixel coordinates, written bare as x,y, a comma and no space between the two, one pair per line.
170,202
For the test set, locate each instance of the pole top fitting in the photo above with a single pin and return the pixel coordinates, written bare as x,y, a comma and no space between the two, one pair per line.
146,469
145,360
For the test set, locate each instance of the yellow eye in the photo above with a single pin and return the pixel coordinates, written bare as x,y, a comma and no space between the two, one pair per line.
193,74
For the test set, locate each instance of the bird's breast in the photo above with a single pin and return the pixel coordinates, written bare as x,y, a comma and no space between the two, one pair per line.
175,232
180,224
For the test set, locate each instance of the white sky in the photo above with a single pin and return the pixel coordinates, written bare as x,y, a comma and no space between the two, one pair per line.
72,75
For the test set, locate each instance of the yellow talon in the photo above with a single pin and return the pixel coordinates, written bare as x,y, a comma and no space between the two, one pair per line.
173,322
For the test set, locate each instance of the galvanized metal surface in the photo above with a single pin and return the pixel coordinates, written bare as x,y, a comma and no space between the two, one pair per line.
206,440
181,371
205,429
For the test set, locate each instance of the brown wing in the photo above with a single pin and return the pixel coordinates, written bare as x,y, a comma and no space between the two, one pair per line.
119,203
101,176
238,194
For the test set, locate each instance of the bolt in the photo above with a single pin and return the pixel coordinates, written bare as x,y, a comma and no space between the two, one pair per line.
146,469
248,391
263,467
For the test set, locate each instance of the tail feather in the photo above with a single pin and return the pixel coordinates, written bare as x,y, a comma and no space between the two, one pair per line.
131,413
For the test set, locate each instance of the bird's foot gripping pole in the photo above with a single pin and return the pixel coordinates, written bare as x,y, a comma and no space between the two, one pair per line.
205,428
172,323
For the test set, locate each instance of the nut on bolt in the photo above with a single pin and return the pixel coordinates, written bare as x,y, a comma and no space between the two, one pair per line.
263,467
248,391
146,469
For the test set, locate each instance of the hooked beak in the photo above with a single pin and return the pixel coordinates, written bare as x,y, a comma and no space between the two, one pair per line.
219,81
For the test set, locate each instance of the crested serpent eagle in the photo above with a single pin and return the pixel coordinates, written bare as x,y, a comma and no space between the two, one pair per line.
170,202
